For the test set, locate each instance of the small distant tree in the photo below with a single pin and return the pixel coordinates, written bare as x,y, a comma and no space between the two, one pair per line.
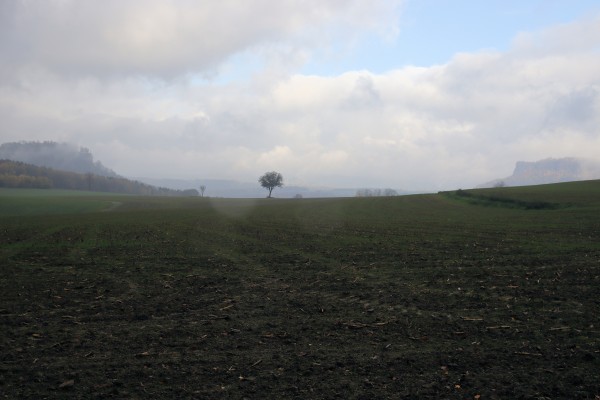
202,189
500,184
271,180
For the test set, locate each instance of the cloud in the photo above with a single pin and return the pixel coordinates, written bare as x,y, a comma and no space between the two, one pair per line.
576,108
169,38
559,39
121,89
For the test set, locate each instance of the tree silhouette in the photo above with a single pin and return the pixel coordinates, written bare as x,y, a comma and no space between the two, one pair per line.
271,180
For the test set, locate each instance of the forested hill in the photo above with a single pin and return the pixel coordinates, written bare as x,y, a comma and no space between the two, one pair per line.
60,156
16,174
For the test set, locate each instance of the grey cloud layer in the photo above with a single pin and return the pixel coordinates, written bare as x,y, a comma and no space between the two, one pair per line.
164,38
445,126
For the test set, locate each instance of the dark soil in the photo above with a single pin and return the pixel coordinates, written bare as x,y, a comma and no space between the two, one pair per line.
421,298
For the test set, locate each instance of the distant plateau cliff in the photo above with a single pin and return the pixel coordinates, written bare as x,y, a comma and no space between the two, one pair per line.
550,170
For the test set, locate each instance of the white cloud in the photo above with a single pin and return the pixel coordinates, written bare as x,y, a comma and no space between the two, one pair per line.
170,38
118,88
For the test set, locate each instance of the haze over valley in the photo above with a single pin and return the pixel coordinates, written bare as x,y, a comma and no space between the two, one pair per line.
63,165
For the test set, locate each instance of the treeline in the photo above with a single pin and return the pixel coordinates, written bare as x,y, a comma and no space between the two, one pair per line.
376,192
16,174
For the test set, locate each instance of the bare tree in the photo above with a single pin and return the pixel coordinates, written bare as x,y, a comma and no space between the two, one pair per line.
202,189
271,180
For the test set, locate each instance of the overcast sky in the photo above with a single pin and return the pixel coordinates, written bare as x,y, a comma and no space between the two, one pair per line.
407,94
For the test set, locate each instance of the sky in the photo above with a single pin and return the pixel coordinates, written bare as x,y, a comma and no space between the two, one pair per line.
403,94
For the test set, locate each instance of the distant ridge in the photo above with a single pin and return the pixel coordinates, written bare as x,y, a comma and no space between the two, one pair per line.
550,170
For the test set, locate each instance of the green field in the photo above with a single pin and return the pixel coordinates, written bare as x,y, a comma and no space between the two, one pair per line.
477,296
21,202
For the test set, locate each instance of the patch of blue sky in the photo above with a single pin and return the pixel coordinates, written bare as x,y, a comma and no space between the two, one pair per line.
431,32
